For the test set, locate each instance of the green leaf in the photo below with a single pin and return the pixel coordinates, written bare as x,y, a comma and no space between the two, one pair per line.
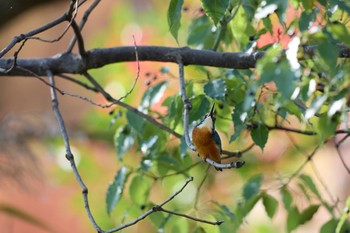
292,219
236,91
307,18
260,135
295,218
287,198
252,186
216,89
249,204
268,25
310,184
200,106
215,9
153,94
327,126
329,55
139,190
307,214
340,33
270,204
329,226
200,33
115,190
238,121
174,17
158,219
135,121
225,209
123,140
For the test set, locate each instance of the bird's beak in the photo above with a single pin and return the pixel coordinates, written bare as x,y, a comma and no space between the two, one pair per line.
212,111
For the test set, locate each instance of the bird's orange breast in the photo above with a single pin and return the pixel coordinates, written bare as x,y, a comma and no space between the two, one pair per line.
205,145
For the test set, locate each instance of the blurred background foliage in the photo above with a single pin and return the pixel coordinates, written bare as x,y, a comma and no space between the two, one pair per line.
291,181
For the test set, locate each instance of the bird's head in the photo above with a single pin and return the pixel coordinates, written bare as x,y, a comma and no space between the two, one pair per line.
208,120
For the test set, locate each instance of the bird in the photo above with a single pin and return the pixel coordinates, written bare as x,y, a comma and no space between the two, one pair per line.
206,139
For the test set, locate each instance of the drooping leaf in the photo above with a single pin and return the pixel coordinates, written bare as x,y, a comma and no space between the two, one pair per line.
270,204
153,94
268,24
174,17
215,9
296,218
252,186
310,184
260,135
139,190
292,219
287,198
225,209
307,214
216,89
123,140
249,204
115,189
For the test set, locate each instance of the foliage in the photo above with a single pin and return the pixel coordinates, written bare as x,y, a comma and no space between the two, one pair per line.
289,92
284,86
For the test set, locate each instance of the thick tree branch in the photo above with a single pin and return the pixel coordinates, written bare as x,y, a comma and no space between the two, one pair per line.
75,64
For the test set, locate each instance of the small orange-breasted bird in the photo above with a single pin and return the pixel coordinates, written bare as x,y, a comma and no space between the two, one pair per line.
206,139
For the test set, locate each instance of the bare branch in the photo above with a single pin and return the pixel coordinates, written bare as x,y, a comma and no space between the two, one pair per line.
69,154
187,105
74,64
82,24
80,39
154,209
30,34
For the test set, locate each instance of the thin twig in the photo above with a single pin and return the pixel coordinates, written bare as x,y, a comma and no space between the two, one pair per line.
190,217
305,132
109,98
337,146
71,79
200,186
82,24
80,39
152,210
137,74
30,34
69,154
308,158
